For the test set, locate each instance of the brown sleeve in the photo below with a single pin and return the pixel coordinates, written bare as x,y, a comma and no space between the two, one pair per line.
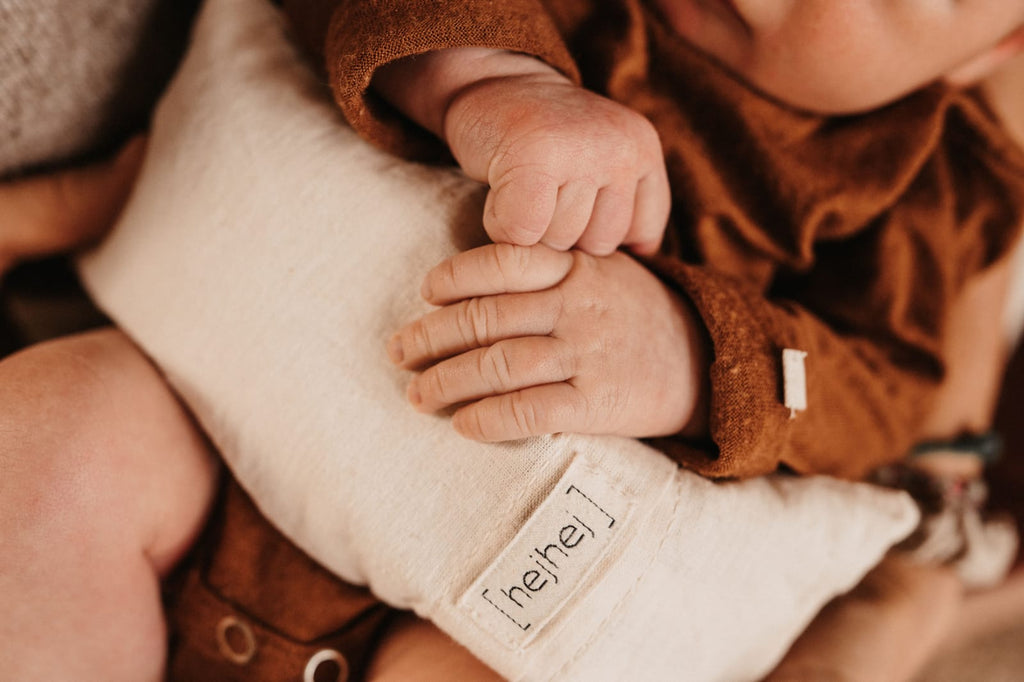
356,37
870,309
865,395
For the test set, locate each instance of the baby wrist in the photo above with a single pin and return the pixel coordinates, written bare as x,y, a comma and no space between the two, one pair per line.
424,86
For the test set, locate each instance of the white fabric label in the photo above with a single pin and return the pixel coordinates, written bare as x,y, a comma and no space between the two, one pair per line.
549,559
794,380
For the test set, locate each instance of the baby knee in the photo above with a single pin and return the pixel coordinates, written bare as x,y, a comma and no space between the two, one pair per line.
62,418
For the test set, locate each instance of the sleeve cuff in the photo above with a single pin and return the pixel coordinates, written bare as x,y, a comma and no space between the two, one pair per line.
365,35
863,403
747,420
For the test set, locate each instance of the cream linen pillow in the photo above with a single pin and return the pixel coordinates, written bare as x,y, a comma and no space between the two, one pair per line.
264,259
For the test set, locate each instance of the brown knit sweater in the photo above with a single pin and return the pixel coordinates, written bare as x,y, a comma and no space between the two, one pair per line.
845,237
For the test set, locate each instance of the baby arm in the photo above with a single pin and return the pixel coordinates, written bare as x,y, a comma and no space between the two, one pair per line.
530,340
565,166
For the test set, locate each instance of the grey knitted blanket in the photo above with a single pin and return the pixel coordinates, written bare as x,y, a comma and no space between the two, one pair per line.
78,76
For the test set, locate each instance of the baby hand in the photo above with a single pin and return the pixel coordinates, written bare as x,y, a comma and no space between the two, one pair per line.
530,340
565,166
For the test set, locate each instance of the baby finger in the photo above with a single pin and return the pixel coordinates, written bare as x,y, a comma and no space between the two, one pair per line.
534,411
650,213
474,323
609,222
572,213
504,367
519,206
495,269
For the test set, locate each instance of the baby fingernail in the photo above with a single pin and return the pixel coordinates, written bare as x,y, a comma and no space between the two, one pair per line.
413,393
425,290
395,350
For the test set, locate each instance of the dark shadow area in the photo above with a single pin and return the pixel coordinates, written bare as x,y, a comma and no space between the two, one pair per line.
43,300
1006,477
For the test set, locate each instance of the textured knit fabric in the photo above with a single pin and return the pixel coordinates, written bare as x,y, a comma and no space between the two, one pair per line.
845,237
78,76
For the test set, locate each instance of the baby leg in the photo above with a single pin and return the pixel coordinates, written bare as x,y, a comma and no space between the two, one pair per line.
885,629
414,650
104,482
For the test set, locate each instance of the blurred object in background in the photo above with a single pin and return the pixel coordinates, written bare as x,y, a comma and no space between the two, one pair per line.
43,300
78,77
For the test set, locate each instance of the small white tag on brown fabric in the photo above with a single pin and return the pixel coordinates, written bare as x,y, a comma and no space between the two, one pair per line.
794,381
549,559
